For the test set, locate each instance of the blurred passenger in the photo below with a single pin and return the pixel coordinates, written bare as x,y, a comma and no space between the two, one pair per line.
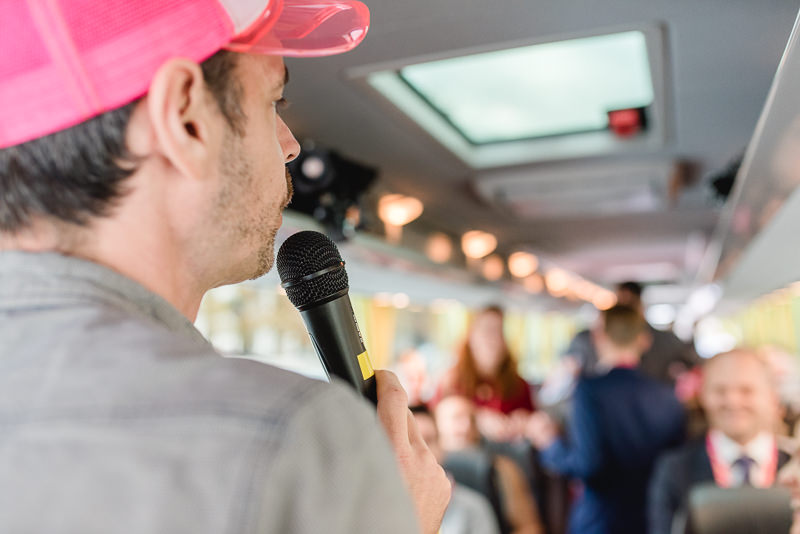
789,478
458,432
486,373
740,447
555,393
469,512
688,389
665,358
785,369
412,371
620,423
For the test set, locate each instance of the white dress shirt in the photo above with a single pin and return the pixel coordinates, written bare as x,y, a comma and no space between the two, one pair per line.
761,449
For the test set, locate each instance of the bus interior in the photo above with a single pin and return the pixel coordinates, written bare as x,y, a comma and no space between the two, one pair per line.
533,155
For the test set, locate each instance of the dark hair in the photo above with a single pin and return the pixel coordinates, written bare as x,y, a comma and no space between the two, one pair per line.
79,172
420,409
631,287
623,324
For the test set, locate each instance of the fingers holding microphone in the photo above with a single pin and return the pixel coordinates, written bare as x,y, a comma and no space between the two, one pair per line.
425,478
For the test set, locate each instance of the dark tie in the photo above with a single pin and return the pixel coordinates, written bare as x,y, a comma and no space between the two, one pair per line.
743,464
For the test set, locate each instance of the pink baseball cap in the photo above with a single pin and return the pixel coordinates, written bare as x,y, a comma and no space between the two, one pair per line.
65,61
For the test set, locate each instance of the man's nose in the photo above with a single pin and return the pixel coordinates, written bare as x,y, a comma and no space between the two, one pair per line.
289,145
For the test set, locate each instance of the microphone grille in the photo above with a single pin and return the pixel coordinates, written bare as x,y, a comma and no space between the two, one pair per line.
306,253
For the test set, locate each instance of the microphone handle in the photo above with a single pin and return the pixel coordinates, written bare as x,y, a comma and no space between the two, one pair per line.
334,333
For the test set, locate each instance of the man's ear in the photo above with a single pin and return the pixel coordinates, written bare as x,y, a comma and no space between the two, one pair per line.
182,116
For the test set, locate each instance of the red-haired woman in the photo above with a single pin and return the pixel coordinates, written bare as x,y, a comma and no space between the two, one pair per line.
486,373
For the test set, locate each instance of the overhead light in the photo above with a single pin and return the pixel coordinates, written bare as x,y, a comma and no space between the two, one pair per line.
533,284
604,300
558,293
581,289
493,268
477,244
396,211
522,264
399,210
557,281
585,290
439,248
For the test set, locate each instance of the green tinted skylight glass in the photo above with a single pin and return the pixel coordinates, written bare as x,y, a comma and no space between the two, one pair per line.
537,91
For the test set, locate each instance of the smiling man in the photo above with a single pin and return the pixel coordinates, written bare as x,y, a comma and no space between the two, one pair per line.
142,163
739,449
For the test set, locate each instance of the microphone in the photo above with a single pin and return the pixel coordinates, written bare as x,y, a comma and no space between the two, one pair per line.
312,273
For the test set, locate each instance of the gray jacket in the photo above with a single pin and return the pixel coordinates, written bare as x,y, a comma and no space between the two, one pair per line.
116,416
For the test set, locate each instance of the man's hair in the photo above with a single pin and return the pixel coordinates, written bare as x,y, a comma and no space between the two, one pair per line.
79,173
743,352
623,324
631,287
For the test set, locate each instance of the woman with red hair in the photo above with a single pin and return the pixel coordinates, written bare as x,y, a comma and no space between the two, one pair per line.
486,373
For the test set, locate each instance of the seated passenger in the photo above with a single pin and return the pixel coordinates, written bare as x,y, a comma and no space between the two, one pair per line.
785,368
739,448
458,433
619,423
486,374
412,371
468,512
789,478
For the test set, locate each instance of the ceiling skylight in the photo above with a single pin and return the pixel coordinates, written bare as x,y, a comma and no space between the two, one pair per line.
534,102
537,91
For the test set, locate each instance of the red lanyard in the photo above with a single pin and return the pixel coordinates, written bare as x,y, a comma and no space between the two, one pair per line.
722,471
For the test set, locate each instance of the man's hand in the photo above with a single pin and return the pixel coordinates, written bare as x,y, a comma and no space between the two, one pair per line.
425,478
541,430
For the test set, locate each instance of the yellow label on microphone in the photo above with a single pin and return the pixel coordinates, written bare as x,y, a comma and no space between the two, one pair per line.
366,366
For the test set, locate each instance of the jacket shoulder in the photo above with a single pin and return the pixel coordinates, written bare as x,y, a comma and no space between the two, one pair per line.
687,461
684,454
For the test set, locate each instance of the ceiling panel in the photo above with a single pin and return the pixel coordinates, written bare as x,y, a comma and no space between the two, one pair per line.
721,56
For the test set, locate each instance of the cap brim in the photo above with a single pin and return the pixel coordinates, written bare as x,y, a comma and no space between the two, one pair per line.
306,28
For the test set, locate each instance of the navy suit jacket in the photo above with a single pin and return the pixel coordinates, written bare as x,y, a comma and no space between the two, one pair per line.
676,473
620,423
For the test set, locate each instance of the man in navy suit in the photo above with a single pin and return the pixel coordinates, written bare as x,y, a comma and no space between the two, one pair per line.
739,448
620,423
665,358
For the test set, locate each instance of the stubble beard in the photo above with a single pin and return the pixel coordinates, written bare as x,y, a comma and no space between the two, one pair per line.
265,257
266,254
232,201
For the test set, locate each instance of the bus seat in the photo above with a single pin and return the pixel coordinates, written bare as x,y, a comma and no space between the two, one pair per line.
474,469
714,510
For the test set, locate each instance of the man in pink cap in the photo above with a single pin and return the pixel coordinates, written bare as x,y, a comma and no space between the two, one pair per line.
142,162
